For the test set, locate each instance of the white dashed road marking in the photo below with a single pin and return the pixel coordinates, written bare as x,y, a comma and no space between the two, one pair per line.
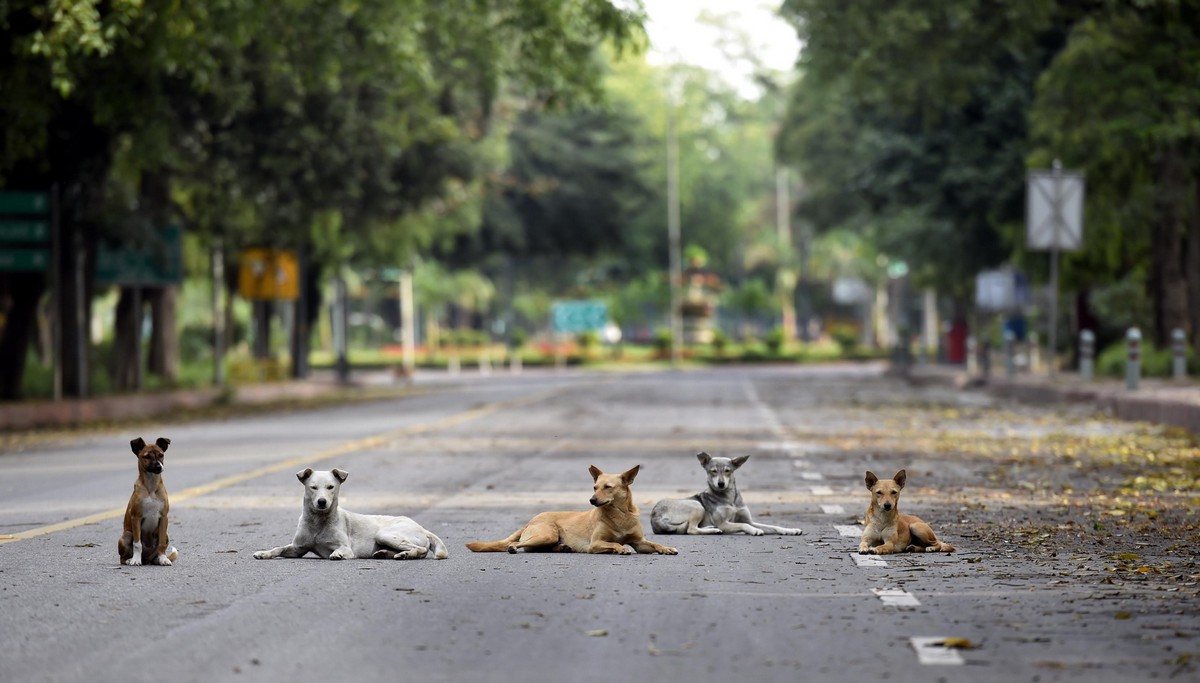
867,560
833,509
822,491
812,476
930,652
849,530
897,598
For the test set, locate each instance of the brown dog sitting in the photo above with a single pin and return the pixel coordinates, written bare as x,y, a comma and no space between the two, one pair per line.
146,515
886,531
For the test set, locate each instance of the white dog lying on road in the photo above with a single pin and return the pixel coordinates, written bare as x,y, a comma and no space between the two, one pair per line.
336,534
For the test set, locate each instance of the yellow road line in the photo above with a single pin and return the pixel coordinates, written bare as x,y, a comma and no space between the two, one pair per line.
344,449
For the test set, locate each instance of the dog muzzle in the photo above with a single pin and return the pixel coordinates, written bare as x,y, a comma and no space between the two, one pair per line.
154,468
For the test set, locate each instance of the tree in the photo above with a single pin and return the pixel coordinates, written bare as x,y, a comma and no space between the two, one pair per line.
1121,102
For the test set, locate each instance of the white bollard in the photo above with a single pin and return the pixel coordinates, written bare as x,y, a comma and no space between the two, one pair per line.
514,365
1133,359
1087,355
972,359
485,363
1178,354
455,365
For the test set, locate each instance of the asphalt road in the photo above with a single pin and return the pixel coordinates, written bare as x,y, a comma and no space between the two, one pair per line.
473,460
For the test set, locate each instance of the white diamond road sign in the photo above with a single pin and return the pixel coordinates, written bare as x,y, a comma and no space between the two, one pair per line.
1054,210
573,317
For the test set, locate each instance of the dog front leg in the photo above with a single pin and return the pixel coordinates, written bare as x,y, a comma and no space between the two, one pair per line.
734,527
344,552
163,549
135,545
289,550
650,547
609,547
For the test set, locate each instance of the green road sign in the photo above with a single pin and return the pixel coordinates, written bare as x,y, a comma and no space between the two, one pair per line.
24,231
157,262
37,203
572,317
24,260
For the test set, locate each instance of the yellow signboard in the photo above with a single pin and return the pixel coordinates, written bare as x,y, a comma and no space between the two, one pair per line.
269,274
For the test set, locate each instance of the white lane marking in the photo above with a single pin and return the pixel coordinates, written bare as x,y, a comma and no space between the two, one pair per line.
930,653
833,509
822,491
812,476
867,560
896,597
848,530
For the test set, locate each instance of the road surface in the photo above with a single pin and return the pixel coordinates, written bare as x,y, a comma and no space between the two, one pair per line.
473,460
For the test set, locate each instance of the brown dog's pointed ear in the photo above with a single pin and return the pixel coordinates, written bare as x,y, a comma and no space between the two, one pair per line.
739,461
900,477
871,479
163,442
137,445
703,458
628,475
595,472
340,474
304,474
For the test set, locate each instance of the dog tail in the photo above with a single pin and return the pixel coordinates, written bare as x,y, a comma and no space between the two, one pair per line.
495,546
440,552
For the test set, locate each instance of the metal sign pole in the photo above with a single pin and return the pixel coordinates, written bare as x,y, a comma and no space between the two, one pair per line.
1059,234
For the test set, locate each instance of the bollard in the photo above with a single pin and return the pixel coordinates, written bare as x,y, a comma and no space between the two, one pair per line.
1010,361
485,363
1179,354
514,366
1087,355
972,359
1035,354
455,365
1133,359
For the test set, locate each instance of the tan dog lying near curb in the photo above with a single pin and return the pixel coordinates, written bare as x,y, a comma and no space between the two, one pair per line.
887,531
146,514
607,528
336,534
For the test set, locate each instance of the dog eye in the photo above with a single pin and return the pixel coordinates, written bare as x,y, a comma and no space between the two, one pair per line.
608,486
330,487
313,487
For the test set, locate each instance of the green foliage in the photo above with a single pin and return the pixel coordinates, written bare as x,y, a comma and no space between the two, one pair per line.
846,338
720,341
662,341
587,340
773,340
1156,362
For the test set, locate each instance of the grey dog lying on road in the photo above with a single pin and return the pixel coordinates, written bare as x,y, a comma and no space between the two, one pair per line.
718,510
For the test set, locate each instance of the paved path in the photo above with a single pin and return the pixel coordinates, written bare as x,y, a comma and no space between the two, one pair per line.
474,461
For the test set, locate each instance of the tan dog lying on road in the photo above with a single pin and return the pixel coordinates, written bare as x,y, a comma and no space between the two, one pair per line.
607,528
887,531
146,514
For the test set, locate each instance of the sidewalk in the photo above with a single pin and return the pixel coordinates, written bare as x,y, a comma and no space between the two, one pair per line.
1169,402
19,415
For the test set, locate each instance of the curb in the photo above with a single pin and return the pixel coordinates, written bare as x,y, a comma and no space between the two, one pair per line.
1175,404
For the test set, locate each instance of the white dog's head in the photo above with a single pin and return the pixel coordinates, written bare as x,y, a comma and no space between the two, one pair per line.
321,488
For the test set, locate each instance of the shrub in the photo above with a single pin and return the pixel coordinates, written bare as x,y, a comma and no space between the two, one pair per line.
719,341
1156,362
774,340
846,338
662,341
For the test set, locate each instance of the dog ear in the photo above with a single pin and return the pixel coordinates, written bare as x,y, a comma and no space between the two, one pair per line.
900,477
703,458
163,442
628,475
871,479
595,472
739,461
137,445
340,474
304,474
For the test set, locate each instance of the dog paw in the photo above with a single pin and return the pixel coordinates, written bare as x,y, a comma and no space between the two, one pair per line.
669,551
623,551
135,560
512,550
755,532
793,532
262,555
383,555
337,555
162,561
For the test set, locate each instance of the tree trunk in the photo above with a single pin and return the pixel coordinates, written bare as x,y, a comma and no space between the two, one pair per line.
1192,268
163,359
123,364
1168,285
27,289
74,307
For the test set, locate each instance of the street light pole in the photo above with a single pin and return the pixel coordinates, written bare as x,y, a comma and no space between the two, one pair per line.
676,274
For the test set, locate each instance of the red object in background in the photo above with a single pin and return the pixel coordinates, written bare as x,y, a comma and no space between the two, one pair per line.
956,342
